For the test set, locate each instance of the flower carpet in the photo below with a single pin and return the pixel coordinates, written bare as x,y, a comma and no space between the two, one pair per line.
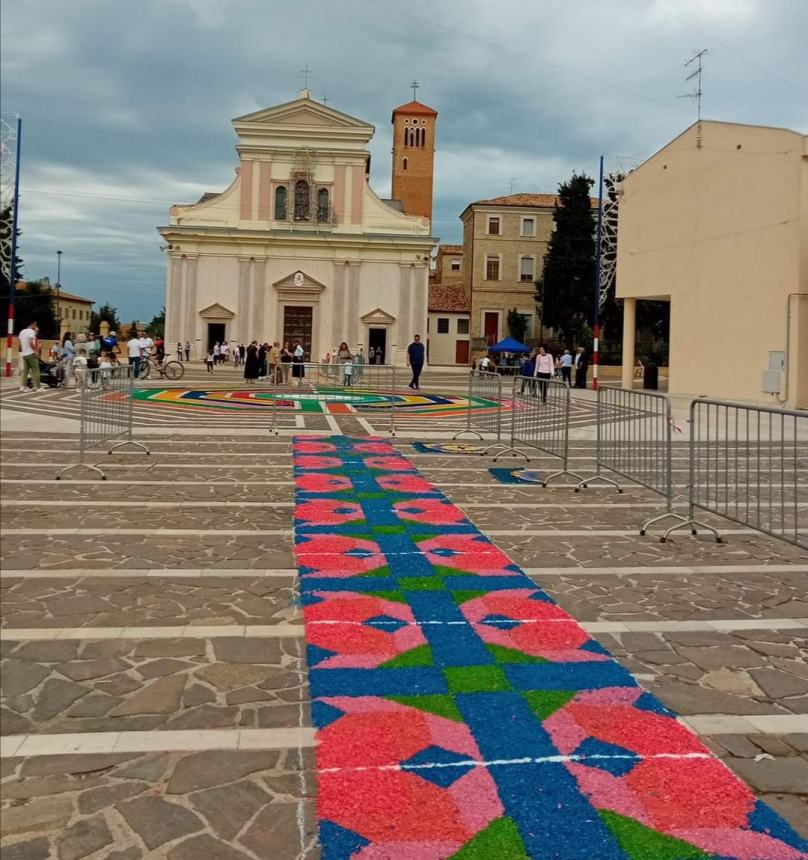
461,713
317,399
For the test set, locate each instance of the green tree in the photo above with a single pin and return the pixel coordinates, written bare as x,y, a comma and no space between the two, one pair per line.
105,313
6,221
157,326
36,302
564,289
517,325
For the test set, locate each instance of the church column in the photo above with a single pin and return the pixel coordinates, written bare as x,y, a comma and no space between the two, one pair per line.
419,288
258,272
243,306
352,329
404,295
189,262
246,200
336,303
174,316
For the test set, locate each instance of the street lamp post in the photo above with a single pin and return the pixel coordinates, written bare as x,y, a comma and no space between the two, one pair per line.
58,289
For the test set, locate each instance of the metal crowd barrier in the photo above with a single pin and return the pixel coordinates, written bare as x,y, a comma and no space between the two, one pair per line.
106,412
749,464
634,441
369,388
484,386
540,418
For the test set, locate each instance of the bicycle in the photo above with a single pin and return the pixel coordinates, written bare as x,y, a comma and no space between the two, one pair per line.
170,369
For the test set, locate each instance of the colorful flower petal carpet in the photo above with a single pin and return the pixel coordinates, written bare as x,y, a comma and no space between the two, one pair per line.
461,713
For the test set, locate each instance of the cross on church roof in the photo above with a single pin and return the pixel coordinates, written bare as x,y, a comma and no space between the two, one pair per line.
415,85
306,73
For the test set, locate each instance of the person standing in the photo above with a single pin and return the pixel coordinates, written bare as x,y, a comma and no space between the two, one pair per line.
263,351
298,367
187,350
179,350
134,351
146,347
565,366
251,362
29,352
415,361
210,360
273,360
66,357
581,366
544,372
286,361
216,352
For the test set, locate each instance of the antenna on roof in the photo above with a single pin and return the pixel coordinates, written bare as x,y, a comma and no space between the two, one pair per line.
510,187
696,58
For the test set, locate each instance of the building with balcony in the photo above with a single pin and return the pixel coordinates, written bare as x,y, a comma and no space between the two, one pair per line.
299,247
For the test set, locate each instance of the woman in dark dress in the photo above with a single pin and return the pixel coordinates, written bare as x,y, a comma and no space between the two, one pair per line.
262,361
251,362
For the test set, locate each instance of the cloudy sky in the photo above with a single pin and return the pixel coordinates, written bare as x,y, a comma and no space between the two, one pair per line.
126,105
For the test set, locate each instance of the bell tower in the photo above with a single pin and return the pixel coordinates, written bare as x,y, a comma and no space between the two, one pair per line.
414,156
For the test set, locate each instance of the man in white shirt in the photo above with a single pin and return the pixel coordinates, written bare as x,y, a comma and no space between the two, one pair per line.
135,352
146,346
29,352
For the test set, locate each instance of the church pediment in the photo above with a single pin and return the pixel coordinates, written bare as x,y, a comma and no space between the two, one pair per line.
216,312
378,317
299,283
301,112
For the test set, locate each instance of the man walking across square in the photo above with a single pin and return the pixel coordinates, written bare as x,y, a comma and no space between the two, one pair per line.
29,352
415,360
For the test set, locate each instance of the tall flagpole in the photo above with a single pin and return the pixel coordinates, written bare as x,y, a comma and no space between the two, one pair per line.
596,326
12,269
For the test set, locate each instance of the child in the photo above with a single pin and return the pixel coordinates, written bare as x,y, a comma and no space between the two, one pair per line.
347,372
104,369
209,359
80,368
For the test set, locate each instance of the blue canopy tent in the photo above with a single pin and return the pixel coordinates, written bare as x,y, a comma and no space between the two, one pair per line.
509,344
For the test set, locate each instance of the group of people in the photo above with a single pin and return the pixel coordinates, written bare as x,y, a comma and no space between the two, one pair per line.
542,366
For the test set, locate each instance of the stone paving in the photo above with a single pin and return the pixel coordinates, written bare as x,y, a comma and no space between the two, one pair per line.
234,554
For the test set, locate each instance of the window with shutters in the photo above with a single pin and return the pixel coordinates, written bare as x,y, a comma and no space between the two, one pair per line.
528,226
443,325
491,268
526,269
302,200
462,326
493,225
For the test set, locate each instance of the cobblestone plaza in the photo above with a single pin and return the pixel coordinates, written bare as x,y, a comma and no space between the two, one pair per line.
155,678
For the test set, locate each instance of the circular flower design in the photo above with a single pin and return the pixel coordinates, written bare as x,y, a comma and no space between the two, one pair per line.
431,511
467,553
314,483
315,461
339,556
327,512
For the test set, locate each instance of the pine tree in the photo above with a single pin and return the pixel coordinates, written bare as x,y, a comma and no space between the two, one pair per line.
109,314
565,288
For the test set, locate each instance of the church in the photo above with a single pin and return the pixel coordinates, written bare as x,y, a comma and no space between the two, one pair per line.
299,247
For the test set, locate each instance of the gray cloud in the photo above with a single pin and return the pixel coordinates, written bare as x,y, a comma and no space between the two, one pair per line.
126,107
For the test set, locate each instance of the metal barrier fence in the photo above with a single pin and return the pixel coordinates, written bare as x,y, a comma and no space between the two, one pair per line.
634,430
484,386
749,464
540,418
106,412
369,388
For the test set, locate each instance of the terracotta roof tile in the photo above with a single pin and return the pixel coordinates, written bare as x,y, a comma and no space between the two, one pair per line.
448,298
548,200
415,108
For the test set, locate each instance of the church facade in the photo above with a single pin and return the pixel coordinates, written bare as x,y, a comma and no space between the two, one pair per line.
299,247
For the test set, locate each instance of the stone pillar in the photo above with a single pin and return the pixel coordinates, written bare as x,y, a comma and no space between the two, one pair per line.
352,328
243,305
337,303
405,279
258,274
189,265
629,337
174,317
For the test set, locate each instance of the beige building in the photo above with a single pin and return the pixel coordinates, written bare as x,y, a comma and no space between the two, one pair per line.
716,223
448,337
299,247
73,312
448,265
